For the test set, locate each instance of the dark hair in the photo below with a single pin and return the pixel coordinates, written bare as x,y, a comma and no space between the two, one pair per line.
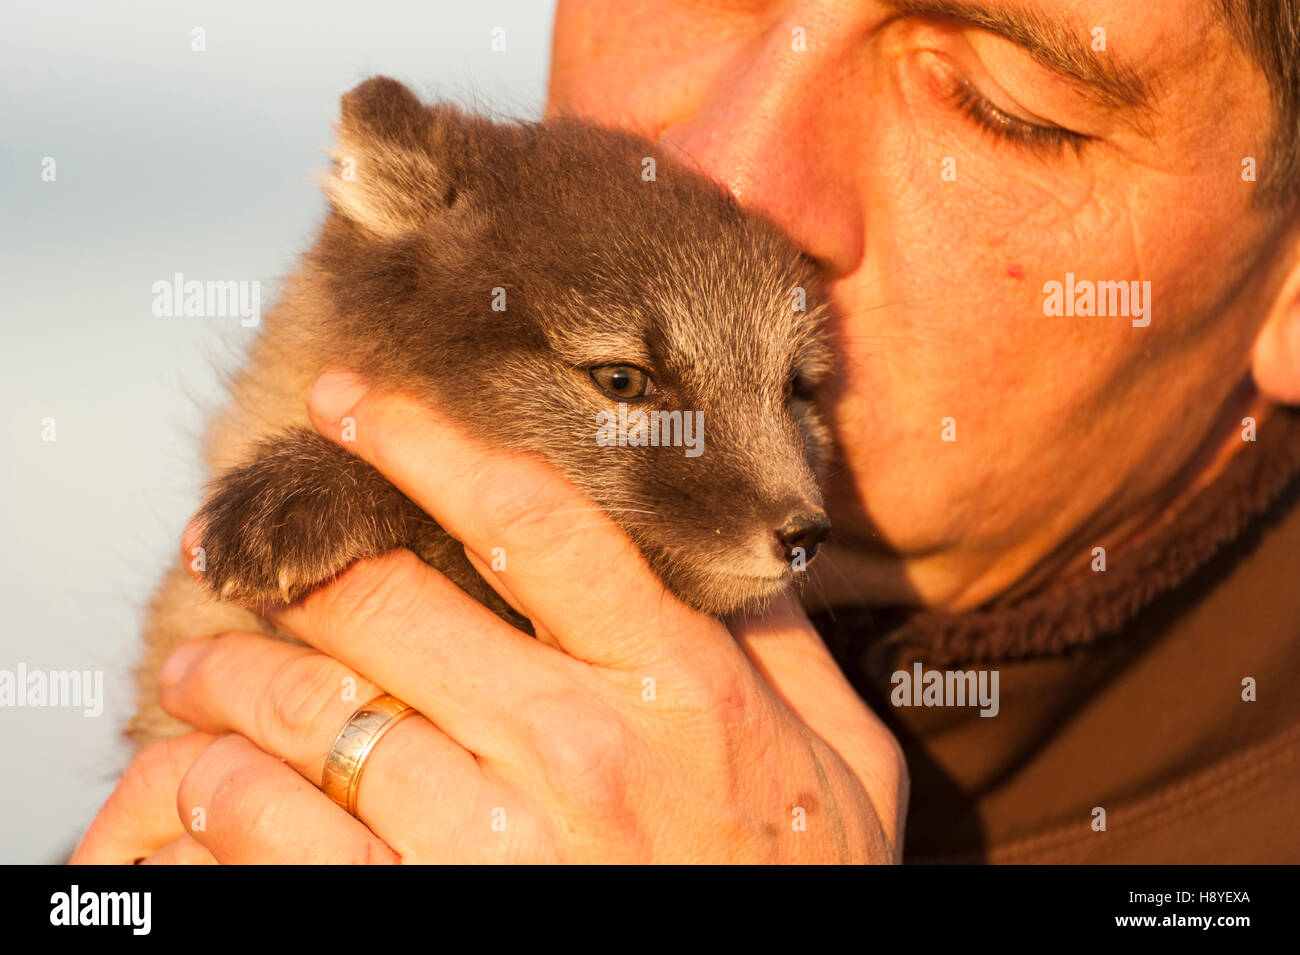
1269,30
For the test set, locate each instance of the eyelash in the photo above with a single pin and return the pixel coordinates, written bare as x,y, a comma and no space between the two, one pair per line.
1031,135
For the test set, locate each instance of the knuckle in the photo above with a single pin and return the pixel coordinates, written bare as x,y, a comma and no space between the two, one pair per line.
588,753
385,590
301,693
228,788
722,698
509,504
213,669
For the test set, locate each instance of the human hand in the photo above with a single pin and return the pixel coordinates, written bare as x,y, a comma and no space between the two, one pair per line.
634,729
139,821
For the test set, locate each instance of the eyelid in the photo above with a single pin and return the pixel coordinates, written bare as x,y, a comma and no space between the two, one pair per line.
1009,127
970,95
991,115
589,364
1073,97
959,81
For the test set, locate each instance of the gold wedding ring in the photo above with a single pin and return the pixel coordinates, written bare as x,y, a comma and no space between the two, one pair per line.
352,747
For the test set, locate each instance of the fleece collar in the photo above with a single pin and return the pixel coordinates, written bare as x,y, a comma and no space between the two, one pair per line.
1079,611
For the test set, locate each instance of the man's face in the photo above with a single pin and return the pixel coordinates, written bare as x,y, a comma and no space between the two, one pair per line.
944,173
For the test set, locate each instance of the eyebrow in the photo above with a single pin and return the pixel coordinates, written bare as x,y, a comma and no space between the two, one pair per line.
1109,80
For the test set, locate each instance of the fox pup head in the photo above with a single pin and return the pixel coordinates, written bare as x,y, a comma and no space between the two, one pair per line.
568,290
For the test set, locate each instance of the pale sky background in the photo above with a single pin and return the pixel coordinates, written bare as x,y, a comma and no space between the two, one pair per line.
167,160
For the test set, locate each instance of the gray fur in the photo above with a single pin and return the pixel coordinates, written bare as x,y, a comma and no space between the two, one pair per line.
599,268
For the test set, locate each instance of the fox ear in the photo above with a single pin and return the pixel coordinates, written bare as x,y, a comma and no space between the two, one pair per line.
397,160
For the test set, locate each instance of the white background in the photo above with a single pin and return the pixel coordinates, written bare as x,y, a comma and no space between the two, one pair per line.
168,161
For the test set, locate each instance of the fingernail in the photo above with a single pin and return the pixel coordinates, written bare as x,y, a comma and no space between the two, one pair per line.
178,663
335,393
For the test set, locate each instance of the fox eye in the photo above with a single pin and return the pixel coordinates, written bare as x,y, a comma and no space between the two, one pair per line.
801,388
623,381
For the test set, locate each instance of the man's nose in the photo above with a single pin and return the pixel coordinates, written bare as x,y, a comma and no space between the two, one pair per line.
804,531
768,134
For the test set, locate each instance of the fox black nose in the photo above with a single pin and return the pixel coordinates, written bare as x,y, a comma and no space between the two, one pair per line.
806,531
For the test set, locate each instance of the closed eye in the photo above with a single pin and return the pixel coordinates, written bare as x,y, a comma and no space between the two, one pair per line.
1040,137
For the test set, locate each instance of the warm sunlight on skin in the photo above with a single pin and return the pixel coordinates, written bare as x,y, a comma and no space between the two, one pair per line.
1071,432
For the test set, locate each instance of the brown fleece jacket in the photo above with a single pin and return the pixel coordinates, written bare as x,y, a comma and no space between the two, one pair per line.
1120,691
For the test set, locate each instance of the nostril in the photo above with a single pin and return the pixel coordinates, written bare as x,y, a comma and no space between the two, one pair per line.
805,531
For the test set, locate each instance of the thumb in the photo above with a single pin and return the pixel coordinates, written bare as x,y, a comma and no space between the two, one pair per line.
140,815
788,653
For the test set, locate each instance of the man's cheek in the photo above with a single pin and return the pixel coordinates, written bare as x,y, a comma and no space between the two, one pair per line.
962,279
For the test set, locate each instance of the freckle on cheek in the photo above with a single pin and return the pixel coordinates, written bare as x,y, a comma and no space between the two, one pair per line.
1015,270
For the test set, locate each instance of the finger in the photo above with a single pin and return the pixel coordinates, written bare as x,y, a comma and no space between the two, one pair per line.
183,850
413,632
540,633
249,808
139,817
291,702
569,565
790,655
